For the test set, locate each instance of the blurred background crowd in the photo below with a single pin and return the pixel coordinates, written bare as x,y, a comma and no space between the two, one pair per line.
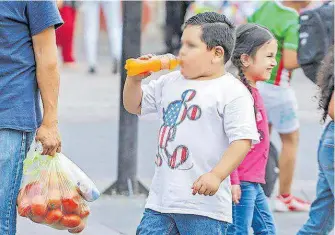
89,22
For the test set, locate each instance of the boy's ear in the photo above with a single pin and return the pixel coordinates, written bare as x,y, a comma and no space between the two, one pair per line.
245,60
218,53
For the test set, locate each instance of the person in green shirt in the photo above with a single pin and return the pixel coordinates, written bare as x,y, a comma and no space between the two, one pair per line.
282,19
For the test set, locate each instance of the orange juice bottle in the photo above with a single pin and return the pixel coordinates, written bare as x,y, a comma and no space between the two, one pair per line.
155,64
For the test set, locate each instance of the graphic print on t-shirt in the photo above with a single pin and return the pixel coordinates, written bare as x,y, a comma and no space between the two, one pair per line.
174,115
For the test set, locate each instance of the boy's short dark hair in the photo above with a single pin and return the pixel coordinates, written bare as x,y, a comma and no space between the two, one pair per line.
217,30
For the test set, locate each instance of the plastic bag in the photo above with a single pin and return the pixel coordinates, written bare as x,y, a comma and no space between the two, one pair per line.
53,192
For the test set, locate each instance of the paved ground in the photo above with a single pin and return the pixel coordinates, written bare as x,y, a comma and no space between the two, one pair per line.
89,109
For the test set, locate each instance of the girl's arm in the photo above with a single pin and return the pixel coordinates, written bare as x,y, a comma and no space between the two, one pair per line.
234,177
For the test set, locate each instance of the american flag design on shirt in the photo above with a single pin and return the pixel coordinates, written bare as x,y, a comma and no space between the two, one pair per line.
176,113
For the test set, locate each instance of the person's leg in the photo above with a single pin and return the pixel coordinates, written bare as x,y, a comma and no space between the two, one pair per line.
112,12
321,216
285,121
287,161
13,148
156,223
91,32
243,212
263,221
68,14
188,224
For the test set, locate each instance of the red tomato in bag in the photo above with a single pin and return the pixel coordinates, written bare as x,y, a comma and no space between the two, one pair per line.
78,229
38,206
54,201
70,221
71,203
53,216
37,219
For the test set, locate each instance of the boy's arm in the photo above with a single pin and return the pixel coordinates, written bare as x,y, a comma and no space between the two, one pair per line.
231,159
132,91
209,183
240,128
290,47
290,59
132,94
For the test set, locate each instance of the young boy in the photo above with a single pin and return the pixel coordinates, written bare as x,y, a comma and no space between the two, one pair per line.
207,127
282,19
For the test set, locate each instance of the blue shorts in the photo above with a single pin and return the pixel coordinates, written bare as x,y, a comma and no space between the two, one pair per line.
156,223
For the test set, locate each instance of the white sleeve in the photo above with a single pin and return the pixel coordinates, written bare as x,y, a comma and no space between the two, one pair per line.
239,119
151,96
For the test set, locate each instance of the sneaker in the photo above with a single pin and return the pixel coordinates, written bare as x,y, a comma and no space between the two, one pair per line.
291,203
92,70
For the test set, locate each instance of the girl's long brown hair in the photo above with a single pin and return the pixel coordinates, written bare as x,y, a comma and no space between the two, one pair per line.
325,81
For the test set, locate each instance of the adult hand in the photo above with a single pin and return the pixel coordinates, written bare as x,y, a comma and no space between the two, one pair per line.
50,139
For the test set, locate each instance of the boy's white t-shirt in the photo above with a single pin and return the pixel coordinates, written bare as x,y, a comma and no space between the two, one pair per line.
199,119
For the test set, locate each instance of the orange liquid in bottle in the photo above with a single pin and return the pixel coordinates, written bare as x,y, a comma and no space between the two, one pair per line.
155,64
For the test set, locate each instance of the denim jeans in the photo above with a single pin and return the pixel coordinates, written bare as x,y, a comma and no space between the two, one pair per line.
156,223
252,211
321,215
13,148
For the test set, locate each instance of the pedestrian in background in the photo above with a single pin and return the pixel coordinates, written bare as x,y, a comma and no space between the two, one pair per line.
65,34
174,19
282,19
321,216
112,13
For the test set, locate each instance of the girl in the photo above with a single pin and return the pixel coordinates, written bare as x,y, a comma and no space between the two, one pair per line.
321,216
254,57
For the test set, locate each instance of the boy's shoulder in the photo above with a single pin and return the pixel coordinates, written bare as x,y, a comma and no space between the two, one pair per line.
232,87
229,80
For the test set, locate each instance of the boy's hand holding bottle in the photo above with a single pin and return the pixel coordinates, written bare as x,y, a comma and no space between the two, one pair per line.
139,76
142,67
